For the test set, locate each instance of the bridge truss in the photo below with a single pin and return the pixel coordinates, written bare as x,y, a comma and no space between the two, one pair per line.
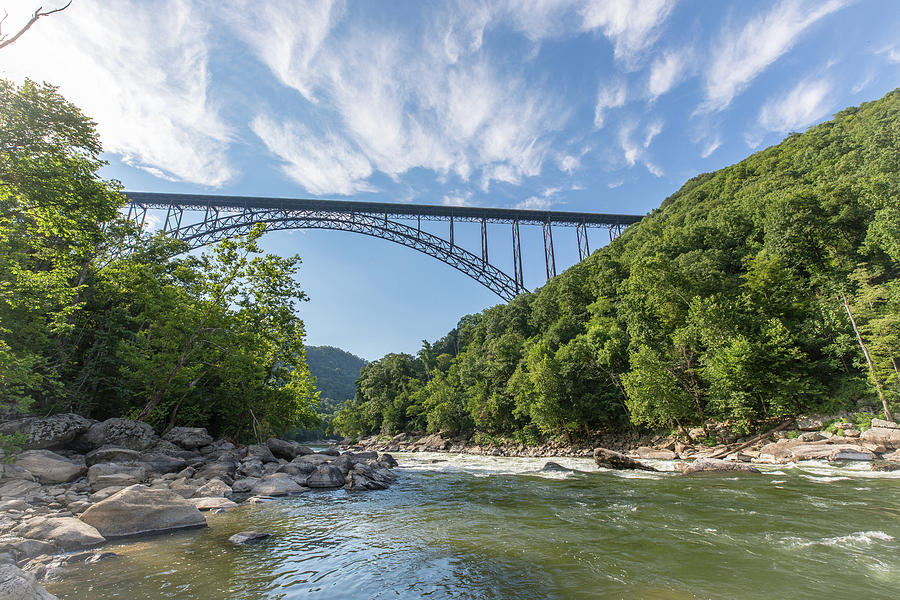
214,218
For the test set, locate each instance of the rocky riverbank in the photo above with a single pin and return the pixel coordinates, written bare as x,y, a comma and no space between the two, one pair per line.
802,439
80,482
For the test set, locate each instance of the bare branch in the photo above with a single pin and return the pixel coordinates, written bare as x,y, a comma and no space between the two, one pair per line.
40,12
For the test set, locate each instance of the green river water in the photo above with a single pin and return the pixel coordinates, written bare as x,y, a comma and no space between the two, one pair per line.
490,527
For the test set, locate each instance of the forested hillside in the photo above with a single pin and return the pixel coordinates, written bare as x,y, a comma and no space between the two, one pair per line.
762,290
99,318
336,372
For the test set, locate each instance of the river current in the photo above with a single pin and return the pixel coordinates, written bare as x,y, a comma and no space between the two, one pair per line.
479,527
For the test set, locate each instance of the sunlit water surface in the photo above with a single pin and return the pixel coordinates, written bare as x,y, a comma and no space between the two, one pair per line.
489,527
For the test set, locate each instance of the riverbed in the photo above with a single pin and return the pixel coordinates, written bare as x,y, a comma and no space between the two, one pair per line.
464,526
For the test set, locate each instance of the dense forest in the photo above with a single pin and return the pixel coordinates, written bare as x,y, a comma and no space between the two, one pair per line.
763,290
336,372
102,319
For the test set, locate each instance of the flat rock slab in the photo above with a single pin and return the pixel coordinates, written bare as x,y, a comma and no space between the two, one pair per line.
249,537
138,510
50,467
212,503
66,533
790,451
16,584
276,486
609,459
715,465
888,437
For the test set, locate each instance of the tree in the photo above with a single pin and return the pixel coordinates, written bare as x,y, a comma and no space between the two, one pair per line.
5,40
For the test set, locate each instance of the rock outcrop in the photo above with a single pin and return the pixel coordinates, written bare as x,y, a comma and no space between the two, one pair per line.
140,510
16,584
609,459
714,465
66,533
49,467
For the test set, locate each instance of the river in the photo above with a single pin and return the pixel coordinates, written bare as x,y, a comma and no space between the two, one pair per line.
491,527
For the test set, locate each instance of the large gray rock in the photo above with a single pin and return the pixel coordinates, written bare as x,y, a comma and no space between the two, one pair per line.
158,462
51,433
313,459
248,537
885,436
188,437
610,459
885,424
224,468
111,454
124,433
325,476
715,465
278,484
16,584
139,510
283,448
245,485
297,468
211,503
214,488
66,533
104,475
646,452
19,488
262,452
49,467
786,451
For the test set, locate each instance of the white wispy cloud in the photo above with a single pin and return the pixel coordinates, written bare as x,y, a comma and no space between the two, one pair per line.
408,99
534,203
666,72
458,198
634,151
652,130
631,25
805,104
610,96
323,164
744,52
141,71
710,147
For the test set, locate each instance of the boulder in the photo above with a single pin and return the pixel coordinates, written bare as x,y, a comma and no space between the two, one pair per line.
104,475
388,461
326,476
885,466
343,464
248,537
66,533
16,584
124,433
283,449
610,459
245,485
111,454
211,503
49,467
138,509
313,459
552,466
297,469
214,488
158,462
786,451
251,467
50,433
361,456
356,481
188,437
888,437
715,465
884,424
261,452
278,484
654,454
19,488
219,468
13,472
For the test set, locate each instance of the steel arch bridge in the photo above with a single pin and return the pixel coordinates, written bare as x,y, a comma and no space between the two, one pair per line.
221,217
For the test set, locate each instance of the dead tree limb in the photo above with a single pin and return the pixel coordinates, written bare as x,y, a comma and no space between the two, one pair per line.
40,12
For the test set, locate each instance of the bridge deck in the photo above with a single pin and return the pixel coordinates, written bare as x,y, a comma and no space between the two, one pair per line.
388,209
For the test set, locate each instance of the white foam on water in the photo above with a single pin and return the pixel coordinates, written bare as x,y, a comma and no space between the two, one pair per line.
859,538
825,478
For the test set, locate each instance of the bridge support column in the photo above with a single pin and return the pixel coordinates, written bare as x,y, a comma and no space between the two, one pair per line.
517,258
484,242
584,249
549,257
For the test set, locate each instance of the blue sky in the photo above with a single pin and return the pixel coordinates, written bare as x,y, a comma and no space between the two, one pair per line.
603,106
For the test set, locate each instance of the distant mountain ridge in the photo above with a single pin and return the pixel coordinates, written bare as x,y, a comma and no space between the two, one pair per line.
336,372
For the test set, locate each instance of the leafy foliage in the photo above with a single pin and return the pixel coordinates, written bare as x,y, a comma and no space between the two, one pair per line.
86,326
726,303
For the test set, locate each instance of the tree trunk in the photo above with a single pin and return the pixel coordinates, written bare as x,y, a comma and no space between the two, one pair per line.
878,386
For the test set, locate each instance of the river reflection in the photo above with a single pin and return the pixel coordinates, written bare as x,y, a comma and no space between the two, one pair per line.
490,527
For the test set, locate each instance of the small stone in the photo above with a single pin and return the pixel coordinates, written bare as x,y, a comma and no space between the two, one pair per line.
248,537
